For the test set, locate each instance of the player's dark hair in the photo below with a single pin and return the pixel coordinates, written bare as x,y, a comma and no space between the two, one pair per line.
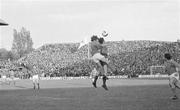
101,40
168,56
94,37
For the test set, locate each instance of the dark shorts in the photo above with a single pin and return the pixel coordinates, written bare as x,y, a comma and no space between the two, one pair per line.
102,63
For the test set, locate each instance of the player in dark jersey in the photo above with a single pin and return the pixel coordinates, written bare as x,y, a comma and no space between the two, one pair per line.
172,69
96,50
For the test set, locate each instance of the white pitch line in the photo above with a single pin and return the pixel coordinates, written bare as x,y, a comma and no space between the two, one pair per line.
53,98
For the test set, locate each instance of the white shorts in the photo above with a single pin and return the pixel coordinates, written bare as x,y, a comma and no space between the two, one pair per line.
97,57
174,80
4,77
35,79
175,75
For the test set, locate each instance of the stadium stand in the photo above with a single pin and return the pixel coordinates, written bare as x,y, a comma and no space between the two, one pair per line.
130,58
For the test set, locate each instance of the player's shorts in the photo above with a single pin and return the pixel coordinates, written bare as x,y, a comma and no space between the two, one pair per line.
35,79
174,80
103,63
97,57
4,77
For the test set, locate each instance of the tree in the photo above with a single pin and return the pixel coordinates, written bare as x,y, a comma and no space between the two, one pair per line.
3,54
22,42
12,56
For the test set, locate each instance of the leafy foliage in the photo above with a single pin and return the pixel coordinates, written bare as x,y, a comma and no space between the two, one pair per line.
22,42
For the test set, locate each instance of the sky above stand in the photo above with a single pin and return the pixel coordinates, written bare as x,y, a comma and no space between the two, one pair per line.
63,21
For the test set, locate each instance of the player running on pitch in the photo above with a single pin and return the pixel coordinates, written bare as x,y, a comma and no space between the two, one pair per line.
172,68
97,57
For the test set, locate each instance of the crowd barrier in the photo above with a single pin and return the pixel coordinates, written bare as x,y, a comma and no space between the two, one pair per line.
82,77
87,77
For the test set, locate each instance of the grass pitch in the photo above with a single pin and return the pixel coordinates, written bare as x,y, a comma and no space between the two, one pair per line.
123,94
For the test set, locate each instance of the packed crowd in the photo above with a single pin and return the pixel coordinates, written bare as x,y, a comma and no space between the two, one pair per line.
139,62
127,58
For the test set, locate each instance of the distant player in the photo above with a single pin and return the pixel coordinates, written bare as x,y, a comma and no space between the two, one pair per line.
94,73
172,68
35,79
4,79
12,77
97,57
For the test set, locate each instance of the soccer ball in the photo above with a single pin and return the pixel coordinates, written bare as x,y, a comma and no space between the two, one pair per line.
104,34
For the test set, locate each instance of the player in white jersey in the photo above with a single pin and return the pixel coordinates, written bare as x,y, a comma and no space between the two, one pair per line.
104,52
94,73
172,68
4,79
35,79
12,77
